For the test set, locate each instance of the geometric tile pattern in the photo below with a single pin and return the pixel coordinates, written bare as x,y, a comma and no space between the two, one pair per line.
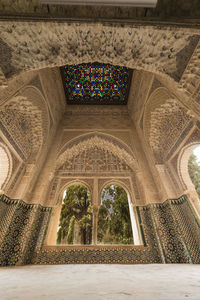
170,231
189,227
174,248
20,228
99,255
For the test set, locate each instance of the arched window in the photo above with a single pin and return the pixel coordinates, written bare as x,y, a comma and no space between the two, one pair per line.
115,219
187,162
75,225
5,166
194,168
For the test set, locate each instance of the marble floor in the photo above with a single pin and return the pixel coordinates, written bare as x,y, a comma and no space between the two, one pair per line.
80,282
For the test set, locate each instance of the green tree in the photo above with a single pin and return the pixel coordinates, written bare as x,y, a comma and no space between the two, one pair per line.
194,172
76,207
114,223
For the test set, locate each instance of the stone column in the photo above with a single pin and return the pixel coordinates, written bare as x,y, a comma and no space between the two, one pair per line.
136,236
95,209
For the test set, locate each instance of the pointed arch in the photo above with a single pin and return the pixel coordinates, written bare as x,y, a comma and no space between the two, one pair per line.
5,165
182,165
101,141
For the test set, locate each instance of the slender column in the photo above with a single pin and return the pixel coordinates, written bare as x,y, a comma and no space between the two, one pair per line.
95,208
95,224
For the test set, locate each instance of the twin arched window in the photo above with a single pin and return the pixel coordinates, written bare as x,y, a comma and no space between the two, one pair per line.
77,223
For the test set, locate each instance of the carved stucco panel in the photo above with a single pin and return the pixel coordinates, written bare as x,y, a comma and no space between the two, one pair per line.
162,50
164,121
25,120
90,142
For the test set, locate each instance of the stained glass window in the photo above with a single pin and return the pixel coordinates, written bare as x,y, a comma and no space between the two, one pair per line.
96,83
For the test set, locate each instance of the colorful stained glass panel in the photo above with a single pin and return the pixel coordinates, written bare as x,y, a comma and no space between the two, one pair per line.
96,83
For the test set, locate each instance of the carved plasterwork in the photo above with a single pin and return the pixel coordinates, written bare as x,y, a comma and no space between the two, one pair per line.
3,81
164,122
59,185
80,146
24,120
191,77
95,159
124,182
67,182
36,45
194,137
15,84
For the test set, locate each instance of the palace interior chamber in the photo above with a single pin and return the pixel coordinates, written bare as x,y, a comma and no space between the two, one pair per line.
95,98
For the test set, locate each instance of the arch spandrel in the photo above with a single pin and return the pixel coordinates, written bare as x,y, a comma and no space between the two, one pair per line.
100,141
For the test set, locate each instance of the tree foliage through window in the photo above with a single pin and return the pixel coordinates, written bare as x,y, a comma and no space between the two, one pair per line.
194,172
76,217
114,223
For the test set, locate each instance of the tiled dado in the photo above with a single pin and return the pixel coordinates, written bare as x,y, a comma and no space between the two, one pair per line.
170,230
22,228
94,255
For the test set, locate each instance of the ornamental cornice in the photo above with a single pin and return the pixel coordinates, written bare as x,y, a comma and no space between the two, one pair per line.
96,110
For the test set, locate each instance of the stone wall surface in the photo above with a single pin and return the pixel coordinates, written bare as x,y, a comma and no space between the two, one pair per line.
165,9
170,230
